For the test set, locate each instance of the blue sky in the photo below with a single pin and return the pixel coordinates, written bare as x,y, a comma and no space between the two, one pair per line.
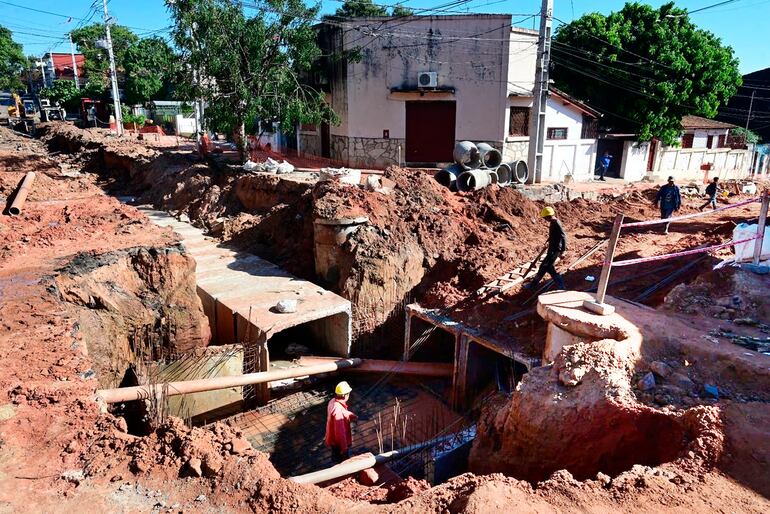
741,24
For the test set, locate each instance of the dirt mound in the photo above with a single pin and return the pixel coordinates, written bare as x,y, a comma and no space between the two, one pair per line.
133,305
729,293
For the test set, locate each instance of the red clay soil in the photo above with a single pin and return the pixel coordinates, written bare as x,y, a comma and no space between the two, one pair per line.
61,454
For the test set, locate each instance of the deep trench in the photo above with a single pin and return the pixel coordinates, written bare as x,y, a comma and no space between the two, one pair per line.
290,427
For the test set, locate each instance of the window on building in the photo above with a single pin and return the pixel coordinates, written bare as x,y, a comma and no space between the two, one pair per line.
519,121
590,128
557,133
710,142
721,141
687,140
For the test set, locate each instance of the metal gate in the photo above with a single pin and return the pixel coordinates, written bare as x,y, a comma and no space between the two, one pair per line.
430,131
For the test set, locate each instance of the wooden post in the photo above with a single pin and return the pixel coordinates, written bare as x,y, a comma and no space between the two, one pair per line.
460,375
598,306
761,227
407,336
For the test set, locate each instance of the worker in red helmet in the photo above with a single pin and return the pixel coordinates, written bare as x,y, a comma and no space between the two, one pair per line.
339,437
557,245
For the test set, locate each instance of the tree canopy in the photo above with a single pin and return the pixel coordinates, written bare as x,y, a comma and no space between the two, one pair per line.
68,96
367,8
249,68
150,67
645,68
12,61
97,63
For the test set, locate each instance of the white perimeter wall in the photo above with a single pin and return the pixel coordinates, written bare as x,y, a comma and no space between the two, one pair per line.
476,68
561,157
633,167
686,163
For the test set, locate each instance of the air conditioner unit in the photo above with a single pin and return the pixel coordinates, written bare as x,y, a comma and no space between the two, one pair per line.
426,79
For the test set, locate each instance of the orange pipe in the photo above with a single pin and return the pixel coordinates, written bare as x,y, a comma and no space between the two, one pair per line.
127,394
21,194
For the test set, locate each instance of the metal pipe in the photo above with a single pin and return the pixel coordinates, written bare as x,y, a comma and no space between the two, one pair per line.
448,176
473,180
466,154
362,462
126,394
425,369
21,194
490,156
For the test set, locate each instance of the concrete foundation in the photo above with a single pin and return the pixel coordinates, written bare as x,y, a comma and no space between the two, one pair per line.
555,340
240,291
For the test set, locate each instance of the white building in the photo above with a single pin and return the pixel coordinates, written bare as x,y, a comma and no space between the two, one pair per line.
423,83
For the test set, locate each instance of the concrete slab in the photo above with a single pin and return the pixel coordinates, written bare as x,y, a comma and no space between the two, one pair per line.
240,289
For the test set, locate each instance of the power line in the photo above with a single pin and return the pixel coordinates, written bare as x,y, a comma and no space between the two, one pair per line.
712,6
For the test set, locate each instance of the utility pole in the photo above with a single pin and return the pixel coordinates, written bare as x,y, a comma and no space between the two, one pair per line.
751,104
74,62
540,95
113,73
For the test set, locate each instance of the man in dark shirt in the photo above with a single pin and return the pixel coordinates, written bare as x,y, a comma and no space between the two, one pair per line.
557,245
711,191
669,199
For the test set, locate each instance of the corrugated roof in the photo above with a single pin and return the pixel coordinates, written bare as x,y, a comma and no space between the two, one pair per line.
696,122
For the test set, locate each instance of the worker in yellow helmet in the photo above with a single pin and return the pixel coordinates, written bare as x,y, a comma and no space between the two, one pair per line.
339,437
557,245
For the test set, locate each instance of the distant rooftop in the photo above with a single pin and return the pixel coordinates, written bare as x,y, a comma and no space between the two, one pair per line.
696,122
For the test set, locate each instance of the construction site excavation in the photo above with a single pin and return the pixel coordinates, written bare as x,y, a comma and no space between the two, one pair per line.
185,333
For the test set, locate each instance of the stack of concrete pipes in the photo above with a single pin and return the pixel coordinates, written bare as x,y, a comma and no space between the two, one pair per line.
478,166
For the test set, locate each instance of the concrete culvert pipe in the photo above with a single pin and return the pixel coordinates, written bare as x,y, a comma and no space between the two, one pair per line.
490,156
448,176
519,171
466,154
473,180
504,174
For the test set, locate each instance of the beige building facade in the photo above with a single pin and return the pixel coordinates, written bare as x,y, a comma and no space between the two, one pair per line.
420,84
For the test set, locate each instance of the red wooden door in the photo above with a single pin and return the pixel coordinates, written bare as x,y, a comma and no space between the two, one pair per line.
430,131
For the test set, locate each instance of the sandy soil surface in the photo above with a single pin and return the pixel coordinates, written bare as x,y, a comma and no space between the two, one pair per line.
60,454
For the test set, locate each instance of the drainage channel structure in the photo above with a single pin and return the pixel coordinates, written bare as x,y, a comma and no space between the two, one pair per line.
240,291
473,354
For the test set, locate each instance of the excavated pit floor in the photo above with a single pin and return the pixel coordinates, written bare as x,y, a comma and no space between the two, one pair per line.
394,412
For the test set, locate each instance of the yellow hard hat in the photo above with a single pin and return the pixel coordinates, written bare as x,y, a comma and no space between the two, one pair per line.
343,388
547,211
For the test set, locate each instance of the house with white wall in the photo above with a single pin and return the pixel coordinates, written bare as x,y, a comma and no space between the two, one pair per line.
422,83
702,153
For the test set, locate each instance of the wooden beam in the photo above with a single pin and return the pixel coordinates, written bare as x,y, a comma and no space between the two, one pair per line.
599,306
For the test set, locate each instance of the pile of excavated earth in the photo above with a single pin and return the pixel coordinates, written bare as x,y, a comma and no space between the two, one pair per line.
667,410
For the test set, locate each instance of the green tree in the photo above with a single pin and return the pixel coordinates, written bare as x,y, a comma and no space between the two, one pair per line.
249,67
12,61
400,10
62,92
68,96
645,68
150,66
97,63
354,8
748,136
